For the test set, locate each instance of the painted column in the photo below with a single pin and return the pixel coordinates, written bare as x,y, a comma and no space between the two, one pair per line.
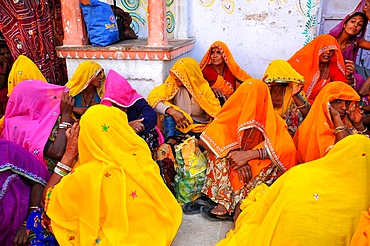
74,30
157,34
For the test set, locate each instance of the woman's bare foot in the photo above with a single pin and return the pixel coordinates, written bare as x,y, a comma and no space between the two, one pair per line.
237,212
219,210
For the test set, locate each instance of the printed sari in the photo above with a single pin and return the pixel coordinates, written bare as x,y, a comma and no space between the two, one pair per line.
122,199
249,108
187,70
317,203
281,72
306,62
315,136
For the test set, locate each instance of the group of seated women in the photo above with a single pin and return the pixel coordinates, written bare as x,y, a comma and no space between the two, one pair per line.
77,165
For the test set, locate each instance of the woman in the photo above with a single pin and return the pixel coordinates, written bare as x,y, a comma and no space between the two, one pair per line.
34,29
185,99
334,115
285,86
141,117
248,145
320,62
22,178
113,160
221,71
350,39
317,203
23,69
86,86
36,118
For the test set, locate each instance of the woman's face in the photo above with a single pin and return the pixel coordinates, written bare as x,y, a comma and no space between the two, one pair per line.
341,106
354,25
98,80
326,56
216,56
178,81
277,92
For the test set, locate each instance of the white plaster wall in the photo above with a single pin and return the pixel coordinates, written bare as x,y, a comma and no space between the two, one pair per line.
256,31
142,75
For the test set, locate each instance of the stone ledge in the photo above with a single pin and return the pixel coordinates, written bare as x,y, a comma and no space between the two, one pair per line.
134,49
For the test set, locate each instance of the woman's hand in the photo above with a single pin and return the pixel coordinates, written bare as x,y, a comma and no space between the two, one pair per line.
79,111
72,143
67,104
349,67
355,114
245,173
218,92
297,89
21,237
178,117
137,125
239,158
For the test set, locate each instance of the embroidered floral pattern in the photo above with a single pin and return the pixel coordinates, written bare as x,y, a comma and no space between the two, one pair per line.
105,128
133,194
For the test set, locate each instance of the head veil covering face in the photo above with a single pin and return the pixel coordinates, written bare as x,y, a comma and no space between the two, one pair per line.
317,203
281,72
23,69
115,182
83,76
119,91
188,71
315,134
237,71
31,113
251,107
306,62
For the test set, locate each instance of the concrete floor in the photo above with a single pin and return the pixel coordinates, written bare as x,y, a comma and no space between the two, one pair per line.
196,230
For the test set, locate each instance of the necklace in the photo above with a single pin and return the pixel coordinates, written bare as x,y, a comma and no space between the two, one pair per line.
85,100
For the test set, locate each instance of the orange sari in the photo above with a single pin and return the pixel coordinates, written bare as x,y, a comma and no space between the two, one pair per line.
250,107
315,135
237,71
306,62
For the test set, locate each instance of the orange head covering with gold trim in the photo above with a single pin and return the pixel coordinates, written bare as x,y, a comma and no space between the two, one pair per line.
187,70
315,135
306,62
251,107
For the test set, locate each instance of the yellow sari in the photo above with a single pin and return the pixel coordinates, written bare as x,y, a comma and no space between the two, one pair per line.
188,71
23,69
317,203
83,76
116,195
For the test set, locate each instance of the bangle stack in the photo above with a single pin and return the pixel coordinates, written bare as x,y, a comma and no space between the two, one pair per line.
62,169
64,125
303,105
363,131
262,153
339,129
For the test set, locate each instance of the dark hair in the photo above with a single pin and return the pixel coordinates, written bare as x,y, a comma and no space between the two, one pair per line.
363,17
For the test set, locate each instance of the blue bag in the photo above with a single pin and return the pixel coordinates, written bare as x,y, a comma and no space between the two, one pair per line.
100,22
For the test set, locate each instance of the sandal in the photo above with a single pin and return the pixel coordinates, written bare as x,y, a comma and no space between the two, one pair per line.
206,212
191,208
205,201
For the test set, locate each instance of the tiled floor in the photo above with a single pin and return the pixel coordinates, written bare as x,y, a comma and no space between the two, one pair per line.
196,230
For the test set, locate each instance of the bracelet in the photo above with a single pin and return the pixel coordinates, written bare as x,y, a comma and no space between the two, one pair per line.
24,223
60,172
363,131
64,125
263,153
303,105
33,207
339,129
64,166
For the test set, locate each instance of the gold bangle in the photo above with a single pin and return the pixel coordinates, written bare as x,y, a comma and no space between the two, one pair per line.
303,105
339,129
